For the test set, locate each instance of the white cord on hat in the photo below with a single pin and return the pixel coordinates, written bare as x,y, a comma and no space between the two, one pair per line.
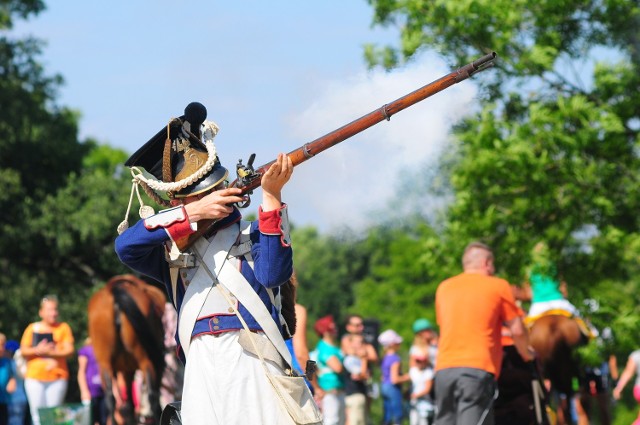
151,184
144,211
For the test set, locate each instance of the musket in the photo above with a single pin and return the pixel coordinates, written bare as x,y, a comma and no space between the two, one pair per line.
249,178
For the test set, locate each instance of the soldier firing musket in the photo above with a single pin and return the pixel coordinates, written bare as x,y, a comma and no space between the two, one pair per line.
224,274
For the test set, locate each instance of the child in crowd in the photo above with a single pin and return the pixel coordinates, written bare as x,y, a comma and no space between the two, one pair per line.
392,377
422,408
355,360
425,342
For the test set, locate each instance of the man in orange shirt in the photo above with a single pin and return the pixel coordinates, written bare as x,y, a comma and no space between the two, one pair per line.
471,309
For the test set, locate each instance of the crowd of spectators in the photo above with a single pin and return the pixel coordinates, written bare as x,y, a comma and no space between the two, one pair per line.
450,373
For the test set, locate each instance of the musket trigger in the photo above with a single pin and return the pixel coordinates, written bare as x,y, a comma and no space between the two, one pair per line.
246,203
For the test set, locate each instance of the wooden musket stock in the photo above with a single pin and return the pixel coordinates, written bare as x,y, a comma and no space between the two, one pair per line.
311,149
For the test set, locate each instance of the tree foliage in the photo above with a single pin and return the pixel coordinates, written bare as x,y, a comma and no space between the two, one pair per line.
327,268
405,265
553,155
58,192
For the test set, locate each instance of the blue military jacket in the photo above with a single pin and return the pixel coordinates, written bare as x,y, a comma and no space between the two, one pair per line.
144,250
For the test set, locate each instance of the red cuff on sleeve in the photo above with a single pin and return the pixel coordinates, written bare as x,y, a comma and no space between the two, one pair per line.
175,221
179,229
269,222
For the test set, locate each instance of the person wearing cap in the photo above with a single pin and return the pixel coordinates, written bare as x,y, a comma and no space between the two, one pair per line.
470,311
224,382
330,369
392,377
424,342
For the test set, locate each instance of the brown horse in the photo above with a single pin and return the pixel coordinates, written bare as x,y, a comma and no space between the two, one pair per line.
125,326
554,337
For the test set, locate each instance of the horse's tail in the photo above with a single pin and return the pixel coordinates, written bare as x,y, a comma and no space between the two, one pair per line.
153,346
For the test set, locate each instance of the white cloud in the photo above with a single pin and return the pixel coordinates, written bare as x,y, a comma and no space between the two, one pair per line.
342,185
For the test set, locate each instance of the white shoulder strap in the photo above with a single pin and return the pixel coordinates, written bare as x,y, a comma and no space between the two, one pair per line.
243,249
203,281
232,279
238,286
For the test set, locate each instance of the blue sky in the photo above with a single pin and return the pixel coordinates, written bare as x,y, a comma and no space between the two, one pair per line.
273,75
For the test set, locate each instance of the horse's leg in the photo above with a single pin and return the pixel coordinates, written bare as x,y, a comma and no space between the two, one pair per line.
563,408
550,343
566,401
150,394
109,399
144,409
567,369
125,412
154,394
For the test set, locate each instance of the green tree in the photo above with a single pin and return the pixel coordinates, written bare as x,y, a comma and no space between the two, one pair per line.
405,266
553,155
58,192
327,268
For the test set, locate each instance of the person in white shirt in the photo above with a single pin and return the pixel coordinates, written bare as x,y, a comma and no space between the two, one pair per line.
422,408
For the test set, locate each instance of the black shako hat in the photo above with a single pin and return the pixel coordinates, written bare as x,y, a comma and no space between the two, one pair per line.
182,156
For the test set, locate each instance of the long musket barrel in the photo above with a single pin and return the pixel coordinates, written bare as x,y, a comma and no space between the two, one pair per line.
311,149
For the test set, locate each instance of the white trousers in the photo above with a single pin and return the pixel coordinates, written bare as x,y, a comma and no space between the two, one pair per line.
44,394
333,408
223,384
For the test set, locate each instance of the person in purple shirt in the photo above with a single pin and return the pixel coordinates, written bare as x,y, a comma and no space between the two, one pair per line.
90,383
392,377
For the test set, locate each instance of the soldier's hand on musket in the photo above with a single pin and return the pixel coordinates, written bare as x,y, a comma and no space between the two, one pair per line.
274,180
215,205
